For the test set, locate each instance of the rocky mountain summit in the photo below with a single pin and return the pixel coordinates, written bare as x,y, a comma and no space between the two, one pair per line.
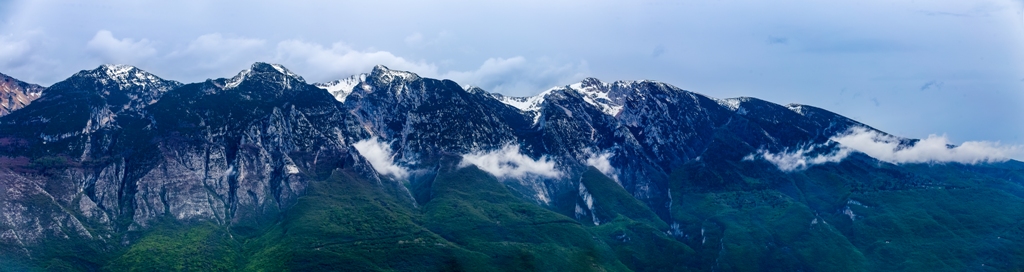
16,94
633,175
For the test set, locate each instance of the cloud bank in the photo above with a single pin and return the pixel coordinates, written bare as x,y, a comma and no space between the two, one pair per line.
887,148
508,162
934,149
380,157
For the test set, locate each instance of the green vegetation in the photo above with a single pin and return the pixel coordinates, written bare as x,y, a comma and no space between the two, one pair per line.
473,210
202,247
739,216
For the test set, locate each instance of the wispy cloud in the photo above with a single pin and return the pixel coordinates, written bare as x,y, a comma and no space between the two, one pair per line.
123,51
13,51
518,75
418,40
853,46
341,60
887,148
380,157
778,40
658,51
508,162
213,51
602,162
934,84
800,158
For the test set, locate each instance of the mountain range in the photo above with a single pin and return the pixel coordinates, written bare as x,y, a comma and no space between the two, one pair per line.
118,169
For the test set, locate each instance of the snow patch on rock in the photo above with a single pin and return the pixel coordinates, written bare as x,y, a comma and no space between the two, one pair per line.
588,201
341,88
235,81
598,94
526,104
732,104
797,108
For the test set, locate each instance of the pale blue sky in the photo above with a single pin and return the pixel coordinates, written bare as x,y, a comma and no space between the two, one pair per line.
912,68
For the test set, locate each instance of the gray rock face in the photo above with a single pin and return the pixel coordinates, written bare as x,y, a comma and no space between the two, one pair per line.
234,153
422,116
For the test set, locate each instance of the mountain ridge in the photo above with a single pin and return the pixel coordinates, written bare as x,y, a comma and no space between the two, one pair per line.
637,164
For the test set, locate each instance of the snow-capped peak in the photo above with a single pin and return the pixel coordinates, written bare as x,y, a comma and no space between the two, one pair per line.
474,89
594,92
598,93
732,104
341,88
281,69
237,79
387,75
525,104
126,76
263,70
263,67
799,109
528,104
113,70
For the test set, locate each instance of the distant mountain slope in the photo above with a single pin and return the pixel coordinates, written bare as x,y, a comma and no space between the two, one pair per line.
16,94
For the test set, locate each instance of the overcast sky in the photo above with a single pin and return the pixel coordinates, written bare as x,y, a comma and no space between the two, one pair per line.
911,68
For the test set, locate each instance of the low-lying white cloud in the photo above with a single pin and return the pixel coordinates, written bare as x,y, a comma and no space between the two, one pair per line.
887,148
380,157
788,161
934,149
508,162
123,51
602,163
